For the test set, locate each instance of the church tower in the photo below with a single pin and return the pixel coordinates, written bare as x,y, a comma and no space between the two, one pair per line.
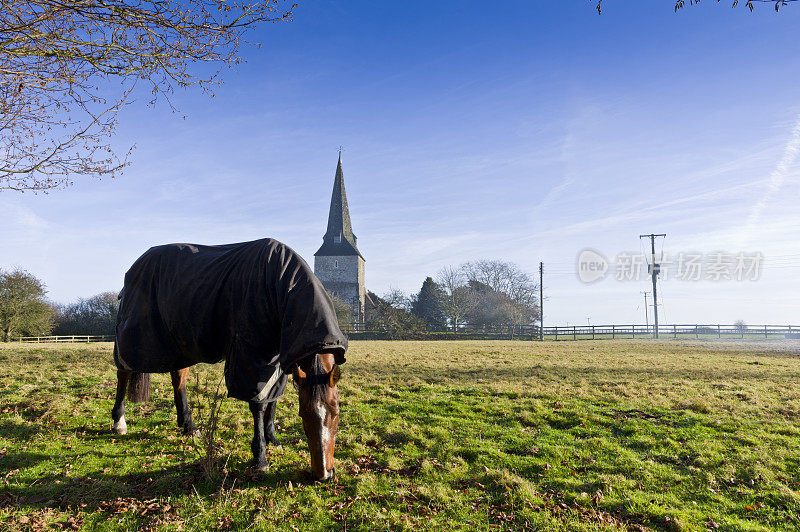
338,263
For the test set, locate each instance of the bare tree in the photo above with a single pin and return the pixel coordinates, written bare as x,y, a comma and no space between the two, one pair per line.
459,299
60,62
397,299
96,315
504,277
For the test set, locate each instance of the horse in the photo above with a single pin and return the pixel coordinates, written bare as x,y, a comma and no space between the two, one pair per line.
316,381
258,306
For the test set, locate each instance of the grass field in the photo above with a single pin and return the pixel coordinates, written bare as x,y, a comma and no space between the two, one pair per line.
587,435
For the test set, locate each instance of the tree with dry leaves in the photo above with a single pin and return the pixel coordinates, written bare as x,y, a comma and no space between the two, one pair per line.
24,309
68,67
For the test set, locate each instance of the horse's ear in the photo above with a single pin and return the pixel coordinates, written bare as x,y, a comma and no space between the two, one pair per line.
298,375
334,376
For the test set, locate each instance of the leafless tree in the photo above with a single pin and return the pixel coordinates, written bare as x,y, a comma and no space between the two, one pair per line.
66,69
96,315
459,299
397,299
504,277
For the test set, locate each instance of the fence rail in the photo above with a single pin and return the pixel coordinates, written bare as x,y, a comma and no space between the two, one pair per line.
674,331
68,339
522,332
588,332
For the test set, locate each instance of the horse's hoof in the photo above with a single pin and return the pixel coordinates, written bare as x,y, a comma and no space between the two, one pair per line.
120,427
257,471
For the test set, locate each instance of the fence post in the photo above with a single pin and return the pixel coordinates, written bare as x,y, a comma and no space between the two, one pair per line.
574,333
719,331
765,332
613,332
592,332
675,331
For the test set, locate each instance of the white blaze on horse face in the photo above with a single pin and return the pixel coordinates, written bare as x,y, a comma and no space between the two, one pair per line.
324,436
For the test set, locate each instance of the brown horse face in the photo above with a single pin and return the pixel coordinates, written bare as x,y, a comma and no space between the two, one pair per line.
316,382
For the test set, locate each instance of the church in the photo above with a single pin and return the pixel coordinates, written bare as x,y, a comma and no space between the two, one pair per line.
338,263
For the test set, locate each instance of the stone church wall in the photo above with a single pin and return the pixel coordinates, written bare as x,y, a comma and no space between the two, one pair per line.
343,276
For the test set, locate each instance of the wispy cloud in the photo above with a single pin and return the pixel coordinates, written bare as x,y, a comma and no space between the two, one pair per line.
776,180
20,222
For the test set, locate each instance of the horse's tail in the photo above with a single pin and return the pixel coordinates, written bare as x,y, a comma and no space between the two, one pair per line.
139,387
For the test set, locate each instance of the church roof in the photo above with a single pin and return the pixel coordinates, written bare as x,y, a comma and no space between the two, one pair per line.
339,239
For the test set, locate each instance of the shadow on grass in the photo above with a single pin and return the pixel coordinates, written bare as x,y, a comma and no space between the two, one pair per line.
97,489
23,460
518,372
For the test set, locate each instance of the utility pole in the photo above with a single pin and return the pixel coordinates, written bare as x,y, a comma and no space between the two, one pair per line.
654,270
541,302
646,317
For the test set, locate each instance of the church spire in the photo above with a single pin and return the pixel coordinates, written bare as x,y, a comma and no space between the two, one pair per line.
339,238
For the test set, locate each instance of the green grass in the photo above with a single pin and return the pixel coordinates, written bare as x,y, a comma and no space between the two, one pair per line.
434,435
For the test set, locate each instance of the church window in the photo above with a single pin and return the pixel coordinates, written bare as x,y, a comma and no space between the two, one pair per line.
337,239
336,264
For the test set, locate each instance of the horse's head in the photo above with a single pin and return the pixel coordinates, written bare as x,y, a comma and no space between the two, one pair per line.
316,381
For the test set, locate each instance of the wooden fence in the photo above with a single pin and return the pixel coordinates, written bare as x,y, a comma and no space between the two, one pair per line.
587,332
69,339
531,332
675,332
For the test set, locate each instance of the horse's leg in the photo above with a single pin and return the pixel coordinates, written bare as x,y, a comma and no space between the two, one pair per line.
179,379
118,412
269,424
259,443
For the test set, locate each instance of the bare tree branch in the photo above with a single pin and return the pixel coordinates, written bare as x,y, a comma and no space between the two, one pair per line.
59,60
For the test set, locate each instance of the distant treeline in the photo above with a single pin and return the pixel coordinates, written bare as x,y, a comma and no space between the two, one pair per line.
25,310
95,316
483,295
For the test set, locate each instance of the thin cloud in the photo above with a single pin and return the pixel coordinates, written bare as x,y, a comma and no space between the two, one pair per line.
776,180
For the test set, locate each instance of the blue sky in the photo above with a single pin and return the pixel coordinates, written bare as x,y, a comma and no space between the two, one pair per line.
525,131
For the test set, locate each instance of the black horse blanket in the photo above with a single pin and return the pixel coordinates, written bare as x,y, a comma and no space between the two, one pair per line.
257,305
